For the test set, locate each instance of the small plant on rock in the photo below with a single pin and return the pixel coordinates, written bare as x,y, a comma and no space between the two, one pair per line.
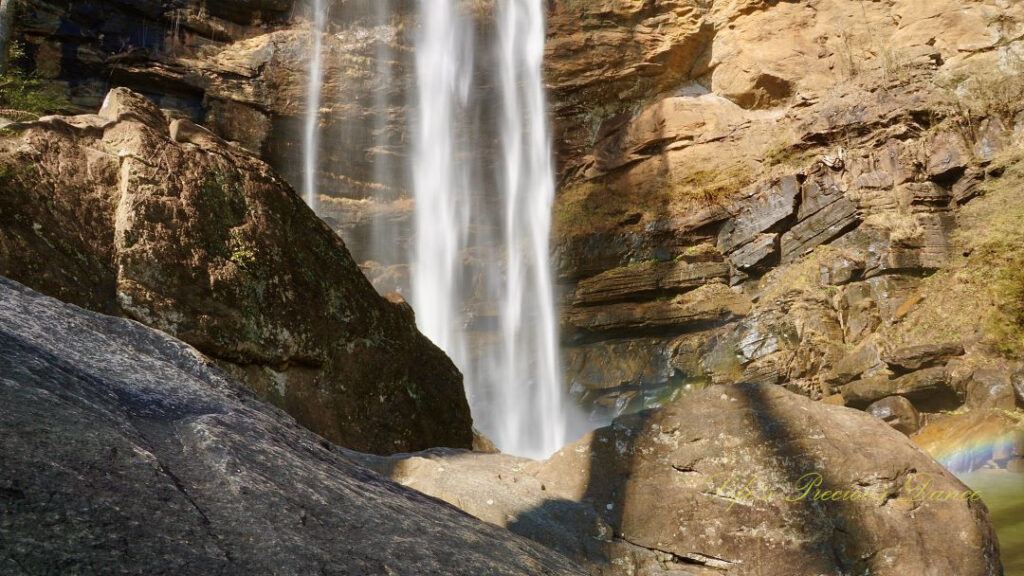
24,96
995,91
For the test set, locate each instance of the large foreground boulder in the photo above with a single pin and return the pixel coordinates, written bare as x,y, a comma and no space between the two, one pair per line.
740,480
127,452
201,240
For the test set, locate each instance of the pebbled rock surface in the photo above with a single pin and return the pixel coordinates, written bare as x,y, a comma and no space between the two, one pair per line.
710,484
128,452
199,239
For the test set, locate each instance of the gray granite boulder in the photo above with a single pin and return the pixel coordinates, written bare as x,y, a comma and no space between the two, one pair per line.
127,452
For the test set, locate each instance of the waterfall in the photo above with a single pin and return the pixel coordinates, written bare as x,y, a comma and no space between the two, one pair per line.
536,418
487,238
441,184
385,232
5,28
481,179
311,134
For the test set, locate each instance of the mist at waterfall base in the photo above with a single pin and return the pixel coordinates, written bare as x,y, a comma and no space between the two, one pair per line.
477,173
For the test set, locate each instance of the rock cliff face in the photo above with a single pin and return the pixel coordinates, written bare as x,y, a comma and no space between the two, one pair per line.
239,68
816,195
173,227
195,57
843,167
747,479
833,165
128,452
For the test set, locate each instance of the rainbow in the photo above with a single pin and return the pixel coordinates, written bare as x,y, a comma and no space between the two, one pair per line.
974,440
976,451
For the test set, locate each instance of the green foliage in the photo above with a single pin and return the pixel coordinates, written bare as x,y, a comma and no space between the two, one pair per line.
222,197
23,95
244,253
244,258
11,172
214,183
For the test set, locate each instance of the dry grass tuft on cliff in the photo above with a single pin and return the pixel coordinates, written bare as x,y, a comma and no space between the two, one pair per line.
981,295
602,204
992,90
711,187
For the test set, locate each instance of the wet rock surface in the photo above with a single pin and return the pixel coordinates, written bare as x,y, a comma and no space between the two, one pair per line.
981,438
205,242
129,452
680,125
832,212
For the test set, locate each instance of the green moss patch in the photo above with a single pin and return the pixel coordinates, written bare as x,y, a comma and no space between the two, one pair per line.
22,95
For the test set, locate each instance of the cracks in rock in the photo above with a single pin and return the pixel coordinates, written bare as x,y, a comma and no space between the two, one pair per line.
181,488
705,560
691,558
206,526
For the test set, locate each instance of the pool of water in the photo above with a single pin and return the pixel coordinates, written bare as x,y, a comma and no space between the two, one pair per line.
1003,493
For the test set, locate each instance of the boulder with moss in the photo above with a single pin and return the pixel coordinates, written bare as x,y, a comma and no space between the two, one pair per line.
207,243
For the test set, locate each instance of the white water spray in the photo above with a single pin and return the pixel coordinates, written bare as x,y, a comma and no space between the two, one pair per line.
440,182
385,233
311,135
5,30
514,384
536,407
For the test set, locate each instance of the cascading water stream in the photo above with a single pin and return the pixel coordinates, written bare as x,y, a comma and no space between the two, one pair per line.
384,247
535,417
482,183
514,385
440,182
311,133
5,27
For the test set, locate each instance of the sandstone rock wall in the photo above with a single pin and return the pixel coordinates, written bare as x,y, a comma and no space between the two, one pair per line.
824,152
240,69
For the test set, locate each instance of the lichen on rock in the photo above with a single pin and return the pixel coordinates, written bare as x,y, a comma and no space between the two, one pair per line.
207,243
